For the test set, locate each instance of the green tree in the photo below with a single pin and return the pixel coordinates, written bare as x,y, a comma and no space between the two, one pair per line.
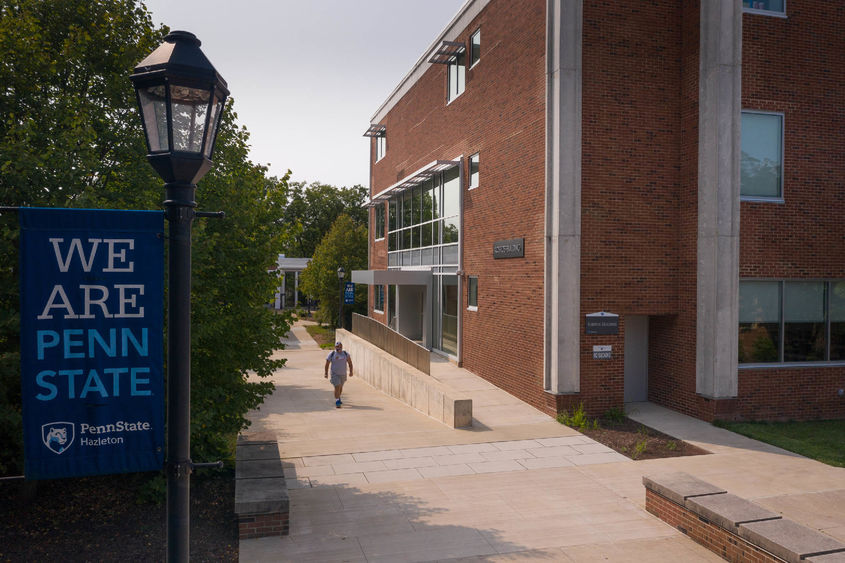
344,245
311,210
70,136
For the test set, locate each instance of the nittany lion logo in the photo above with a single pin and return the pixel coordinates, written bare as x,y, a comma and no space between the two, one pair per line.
58,436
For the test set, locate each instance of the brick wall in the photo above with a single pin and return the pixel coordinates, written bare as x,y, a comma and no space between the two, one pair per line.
639,191
790,65
718,540
631,179
263,525
500,115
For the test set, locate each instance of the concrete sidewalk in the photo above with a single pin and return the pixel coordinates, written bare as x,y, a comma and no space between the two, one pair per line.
378,481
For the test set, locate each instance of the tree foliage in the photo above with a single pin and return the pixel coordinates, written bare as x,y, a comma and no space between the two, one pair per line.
312,209
344,245
70,136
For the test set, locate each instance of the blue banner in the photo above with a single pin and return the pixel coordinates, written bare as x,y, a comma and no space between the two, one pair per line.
92,296
348,293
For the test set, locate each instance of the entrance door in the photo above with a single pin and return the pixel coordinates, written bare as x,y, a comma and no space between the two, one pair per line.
445,314
636,358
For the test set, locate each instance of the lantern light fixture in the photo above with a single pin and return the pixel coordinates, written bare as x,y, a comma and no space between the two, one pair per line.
181,97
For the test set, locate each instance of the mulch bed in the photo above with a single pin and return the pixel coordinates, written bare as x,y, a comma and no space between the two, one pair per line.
637,441
101,519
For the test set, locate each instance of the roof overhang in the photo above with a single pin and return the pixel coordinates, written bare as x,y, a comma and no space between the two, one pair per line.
414,179
392,277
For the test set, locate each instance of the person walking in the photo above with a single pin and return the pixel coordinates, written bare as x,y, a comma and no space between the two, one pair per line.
338,359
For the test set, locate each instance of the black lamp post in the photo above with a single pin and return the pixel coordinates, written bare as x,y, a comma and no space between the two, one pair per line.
181,98
341,273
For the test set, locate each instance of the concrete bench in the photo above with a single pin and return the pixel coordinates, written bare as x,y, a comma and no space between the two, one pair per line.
406,383
262,504
732,527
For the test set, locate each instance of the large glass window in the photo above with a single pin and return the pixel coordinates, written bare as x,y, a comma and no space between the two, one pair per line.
837,321
803,321
451,192
761,166
791,321
424,222
408,208
473,171
765,6
472,293
449,318
378,210
381,147
456,76
759,321
474,48
378,298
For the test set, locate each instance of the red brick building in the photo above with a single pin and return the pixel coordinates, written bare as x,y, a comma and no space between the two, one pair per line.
615,201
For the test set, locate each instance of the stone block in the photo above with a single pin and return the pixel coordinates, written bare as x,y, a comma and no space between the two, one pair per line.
258,468
463,413
789,540
261,496
678,487
728,511
838,557
249,451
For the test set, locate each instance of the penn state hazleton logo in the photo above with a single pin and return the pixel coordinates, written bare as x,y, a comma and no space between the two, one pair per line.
58,436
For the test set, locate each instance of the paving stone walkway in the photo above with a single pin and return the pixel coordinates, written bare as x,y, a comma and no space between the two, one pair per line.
425,463
378,481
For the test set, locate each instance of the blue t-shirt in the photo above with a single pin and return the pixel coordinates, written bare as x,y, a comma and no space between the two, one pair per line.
338,361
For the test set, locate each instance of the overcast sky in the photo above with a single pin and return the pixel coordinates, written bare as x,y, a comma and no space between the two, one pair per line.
307,75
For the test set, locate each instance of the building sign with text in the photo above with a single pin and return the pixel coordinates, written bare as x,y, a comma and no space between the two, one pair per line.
91,341
602,323
511,248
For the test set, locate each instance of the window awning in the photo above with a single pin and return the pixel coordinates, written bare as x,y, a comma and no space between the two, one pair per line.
447,52
414,179
376,130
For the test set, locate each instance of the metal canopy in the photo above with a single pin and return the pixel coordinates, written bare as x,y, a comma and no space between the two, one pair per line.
376,130
392,277
414,179
447,52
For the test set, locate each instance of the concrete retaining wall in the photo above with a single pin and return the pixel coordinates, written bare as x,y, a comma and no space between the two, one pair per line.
406,383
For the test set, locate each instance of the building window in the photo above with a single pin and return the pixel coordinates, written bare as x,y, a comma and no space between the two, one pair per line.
456,76
472,293
424,222
761,166
473,171
379,213
378,296
474,48
791,321
771,7
381,147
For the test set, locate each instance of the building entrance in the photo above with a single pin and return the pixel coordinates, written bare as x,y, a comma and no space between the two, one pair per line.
636,358
445,314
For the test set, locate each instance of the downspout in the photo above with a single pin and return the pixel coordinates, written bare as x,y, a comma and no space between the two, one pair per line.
370,234
461,263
